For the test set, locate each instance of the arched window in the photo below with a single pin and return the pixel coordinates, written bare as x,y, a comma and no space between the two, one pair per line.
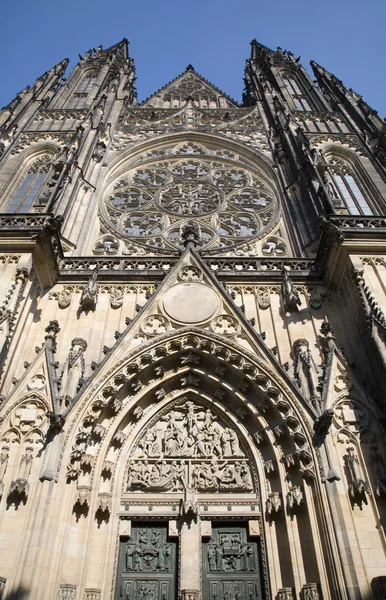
84,87
31,187
349,192
296,94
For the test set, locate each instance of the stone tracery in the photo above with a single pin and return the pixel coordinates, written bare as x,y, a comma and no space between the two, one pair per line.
229,204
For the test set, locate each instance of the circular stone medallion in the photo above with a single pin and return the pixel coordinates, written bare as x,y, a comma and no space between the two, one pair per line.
191,303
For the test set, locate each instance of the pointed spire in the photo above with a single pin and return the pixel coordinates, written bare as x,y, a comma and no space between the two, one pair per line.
321,72
257,49
122,45
365,117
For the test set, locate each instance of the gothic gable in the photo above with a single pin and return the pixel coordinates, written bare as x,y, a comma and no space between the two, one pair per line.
189,299
190,85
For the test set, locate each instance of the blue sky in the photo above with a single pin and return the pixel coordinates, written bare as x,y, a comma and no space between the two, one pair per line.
345,36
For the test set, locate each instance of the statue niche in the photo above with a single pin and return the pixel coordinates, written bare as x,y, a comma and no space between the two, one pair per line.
189,448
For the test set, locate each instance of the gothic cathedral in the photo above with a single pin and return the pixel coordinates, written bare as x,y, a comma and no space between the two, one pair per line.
192,337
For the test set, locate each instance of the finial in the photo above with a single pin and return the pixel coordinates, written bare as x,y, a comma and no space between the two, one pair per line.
189,68
190,235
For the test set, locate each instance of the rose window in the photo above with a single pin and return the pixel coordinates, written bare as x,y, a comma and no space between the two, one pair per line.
225,203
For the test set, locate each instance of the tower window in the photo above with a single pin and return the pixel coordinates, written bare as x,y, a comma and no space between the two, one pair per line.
79,97
349,190
296,94
30,188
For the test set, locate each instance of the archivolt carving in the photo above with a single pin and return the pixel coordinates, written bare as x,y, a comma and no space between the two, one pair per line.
149,360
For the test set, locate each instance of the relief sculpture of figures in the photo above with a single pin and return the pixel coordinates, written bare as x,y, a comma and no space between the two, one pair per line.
231,554
189,447
149,553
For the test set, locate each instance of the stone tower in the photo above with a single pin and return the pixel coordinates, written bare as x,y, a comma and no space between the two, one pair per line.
192,337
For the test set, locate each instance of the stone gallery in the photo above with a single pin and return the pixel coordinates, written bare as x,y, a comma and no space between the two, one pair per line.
192,337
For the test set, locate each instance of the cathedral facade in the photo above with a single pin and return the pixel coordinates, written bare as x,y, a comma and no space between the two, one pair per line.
192,337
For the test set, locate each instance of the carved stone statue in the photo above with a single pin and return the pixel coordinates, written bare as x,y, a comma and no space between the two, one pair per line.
73,370
290,297
21,485
89,297
323,423
189,505
4,457
357,485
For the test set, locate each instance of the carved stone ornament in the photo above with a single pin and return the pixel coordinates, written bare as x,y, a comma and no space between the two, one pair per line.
315,300
52,329
357,485
295,496
189,504
104,502
290,297
64,298
190,273
120,437
190,595
323,423
83,495
4,458
155,325
285,594
116,297
29,414
108,466
273,504
89,297
67,592
310,591
92,595
188,448
259,436
263,300
225,325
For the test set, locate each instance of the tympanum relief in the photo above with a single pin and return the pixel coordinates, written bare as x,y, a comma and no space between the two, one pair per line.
188,447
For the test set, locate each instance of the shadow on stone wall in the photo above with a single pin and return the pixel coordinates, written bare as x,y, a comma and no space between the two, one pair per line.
19,593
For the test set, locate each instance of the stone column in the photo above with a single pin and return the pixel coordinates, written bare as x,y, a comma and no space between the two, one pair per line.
190,559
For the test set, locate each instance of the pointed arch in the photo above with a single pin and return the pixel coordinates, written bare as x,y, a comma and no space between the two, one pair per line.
25,185
352,190
194,359
107,420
